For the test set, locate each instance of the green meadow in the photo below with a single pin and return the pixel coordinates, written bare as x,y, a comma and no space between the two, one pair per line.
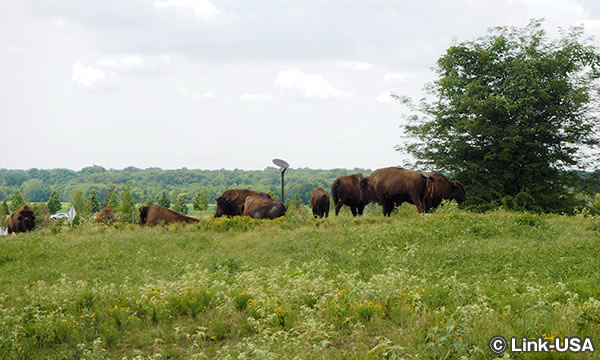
435,286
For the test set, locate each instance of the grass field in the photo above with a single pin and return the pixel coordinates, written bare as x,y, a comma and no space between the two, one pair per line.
437,286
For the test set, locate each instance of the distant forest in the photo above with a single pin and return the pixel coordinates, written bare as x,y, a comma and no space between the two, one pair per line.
36,185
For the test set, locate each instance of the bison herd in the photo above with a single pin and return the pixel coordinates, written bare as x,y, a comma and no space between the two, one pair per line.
388,187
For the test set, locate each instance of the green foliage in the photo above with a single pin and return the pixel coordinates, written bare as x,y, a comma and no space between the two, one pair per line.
180,204
113,199
4,209
16,201
200,201
34,190
54,203
127,206
149,200
509,114
164,200
93,200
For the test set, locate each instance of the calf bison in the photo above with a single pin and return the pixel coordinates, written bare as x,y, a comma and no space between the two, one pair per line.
319,202
443,189
392,186
345,190
259,207
237,199
154,214
22,220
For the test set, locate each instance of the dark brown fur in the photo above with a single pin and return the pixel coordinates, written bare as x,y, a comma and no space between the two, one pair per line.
319,202
443,189
21,220
238,197
260,207
154,214
392,186
345,190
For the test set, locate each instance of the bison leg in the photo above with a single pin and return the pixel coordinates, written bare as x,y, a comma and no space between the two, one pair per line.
353,209
338,206
361,208
327,213
388,207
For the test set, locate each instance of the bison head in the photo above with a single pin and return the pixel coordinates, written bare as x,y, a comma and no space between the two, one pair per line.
458,192
225,206
143,214
27,220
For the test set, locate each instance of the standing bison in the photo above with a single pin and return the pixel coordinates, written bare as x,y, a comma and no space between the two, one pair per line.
443,189
154,214
392,186
22,220
231,202
260,207
319,202
345,190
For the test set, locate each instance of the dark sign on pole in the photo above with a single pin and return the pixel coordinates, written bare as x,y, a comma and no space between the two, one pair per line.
283,165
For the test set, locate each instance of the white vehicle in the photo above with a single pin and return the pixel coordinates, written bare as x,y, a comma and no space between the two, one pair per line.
59,216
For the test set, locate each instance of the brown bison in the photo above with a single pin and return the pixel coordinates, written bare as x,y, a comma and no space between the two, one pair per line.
345,190
260,207
237,199
154,214
392,186
443,189
22,220
319,202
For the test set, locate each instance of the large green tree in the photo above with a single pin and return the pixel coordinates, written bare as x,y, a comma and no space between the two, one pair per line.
200,200
93,200
509,114
54,203
34,190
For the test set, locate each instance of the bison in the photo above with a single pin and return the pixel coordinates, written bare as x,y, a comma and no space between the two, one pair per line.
154,214
443,188
22,220
345,190
319,202
392,186
260,207
237,198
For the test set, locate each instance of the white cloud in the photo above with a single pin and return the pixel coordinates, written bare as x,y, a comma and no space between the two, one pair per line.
134,63
402,77
356,65
384,98
207,95
60,22
203,9
88,77
310,86
256,97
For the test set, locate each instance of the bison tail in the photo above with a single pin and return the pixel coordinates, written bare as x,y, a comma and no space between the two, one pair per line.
334,194
427,191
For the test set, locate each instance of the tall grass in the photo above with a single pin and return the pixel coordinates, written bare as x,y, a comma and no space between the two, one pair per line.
435,286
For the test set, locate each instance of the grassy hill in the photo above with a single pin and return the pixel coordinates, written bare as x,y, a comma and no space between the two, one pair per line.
437,286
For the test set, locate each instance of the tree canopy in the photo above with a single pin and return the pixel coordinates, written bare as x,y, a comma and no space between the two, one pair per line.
509,115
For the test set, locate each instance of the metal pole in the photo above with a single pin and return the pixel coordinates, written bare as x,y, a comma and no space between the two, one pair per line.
282,198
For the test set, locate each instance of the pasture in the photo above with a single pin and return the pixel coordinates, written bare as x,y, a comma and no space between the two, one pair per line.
435,286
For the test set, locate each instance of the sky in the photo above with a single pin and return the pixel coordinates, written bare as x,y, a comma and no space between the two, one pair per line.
223,84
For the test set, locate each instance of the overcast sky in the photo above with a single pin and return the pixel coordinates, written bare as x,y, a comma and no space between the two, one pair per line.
229,84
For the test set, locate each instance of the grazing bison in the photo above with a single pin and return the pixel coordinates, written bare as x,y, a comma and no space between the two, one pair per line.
237,199
154,214
259,207
22,220
443,188
392,186
345,190
319,202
